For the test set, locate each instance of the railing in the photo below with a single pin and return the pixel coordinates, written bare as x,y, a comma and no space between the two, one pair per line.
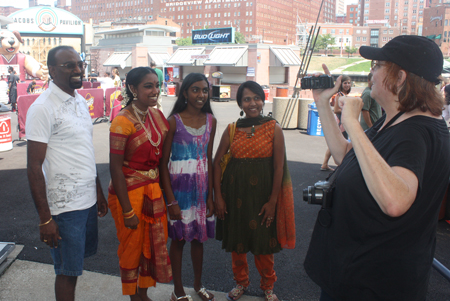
441,269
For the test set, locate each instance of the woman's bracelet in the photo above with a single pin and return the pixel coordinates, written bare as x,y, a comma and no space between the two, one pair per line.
128,217
129,214
47,222
173,203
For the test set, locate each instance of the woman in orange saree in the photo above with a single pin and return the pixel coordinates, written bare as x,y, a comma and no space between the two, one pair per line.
135,198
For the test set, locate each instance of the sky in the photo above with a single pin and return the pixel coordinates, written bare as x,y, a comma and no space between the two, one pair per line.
24,3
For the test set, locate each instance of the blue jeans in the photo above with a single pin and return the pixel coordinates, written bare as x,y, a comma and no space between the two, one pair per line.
79,233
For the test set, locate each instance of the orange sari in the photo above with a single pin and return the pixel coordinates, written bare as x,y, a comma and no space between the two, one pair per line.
143,256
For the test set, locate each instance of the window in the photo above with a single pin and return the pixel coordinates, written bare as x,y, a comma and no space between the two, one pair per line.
387,11
351,8
324,31
364,39
388,4
358,31
351,15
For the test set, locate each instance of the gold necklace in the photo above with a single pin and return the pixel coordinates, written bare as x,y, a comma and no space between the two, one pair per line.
148,134
135,108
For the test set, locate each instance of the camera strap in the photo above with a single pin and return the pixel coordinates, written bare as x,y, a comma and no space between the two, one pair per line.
324,213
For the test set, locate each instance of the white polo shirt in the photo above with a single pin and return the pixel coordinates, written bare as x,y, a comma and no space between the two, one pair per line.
64,124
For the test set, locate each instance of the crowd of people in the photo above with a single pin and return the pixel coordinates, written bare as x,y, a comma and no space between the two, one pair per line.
374,237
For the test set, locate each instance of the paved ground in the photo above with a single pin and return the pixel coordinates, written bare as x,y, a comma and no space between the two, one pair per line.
18,223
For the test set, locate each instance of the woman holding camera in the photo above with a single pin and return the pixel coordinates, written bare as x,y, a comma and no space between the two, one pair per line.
377,238
254,202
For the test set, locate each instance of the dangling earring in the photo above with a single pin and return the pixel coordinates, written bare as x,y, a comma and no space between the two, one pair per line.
185,101
134,96
241,113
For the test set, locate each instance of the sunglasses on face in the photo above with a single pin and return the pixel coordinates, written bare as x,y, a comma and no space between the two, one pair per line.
73,65
376,64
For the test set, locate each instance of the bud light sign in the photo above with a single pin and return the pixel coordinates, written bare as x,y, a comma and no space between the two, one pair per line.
213,36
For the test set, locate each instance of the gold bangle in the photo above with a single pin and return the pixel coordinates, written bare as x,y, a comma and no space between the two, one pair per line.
128,217
43,224
129,212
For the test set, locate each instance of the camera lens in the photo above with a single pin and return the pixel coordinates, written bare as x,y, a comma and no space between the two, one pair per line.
308,193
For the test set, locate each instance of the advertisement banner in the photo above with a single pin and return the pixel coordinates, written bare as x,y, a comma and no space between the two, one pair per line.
23,103
94,99
213,36
46,20
111,95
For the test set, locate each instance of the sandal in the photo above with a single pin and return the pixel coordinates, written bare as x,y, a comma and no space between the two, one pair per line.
236,293
205,295
174,297
270,296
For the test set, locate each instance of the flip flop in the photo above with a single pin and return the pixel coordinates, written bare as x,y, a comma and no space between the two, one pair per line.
326,169
205,295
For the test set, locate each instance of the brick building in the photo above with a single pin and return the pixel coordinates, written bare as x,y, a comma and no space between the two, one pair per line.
436,26
352,14
272,21
7,10
406,15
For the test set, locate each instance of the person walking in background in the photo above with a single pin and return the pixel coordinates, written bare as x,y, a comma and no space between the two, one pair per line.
371,110
135,198
254,203
13,80
188,179
61,170
116,78
161,83
93,76
375,237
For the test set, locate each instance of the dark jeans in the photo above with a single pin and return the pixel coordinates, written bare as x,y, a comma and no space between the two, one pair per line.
325,297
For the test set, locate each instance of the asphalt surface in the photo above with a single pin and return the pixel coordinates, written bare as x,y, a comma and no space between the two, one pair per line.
18,217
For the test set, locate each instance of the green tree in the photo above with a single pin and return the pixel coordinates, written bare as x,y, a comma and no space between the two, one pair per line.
184,41
323,40
239,38
350,50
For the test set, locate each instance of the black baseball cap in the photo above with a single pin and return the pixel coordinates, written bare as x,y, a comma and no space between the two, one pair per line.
418,55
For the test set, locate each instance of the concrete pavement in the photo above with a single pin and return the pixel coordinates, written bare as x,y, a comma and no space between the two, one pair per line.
28,280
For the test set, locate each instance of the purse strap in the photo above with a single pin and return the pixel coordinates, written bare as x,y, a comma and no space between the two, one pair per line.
232,131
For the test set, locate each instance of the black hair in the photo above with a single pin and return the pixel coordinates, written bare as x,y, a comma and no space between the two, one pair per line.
51,57
447,94
181,103
134,78
369,76
252,86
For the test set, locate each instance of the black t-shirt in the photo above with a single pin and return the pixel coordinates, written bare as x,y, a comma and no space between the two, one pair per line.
30,88
13,79
367,255
93,80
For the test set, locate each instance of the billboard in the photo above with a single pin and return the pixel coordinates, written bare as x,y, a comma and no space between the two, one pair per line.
213,36
46,20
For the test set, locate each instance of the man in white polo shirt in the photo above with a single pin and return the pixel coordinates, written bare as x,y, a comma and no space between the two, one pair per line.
62,172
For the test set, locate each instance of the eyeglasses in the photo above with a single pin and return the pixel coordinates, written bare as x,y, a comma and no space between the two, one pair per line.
374,65
73,65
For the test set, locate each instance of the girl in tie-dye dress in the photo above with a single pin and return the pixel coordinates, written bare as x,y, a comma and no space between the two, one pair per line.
186,175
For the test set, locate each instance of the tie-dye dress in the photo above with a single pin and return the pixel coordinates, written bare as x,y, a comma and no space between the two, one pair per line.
188,168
